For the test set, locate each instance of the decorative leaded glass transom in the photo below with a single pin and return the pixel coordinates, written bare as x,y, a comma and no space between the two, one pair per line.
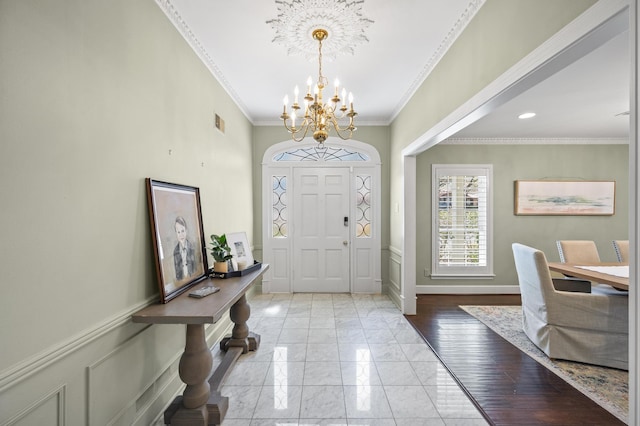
321,154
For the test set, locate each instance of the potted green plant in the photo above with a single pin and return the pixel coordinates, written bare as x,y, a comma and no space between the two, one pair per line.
221,253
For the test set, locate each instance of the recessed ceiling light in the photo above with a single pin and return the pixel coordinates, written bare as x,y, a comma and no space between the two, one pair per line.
527,115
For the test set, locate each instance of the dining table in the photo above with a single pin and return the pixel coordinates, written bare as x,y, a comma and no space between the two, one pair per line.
613,273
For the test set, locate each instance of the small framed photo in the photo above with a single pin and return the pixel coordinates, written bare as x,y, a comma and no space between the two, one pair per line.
178,237
240,249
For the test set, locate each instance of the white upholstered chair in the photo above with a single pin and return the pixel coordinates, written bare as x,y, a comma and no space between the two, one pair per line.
622,250
586,327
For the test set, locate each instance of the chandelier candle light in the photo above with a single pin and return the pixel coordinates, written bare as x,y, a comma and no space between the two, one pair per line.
319,116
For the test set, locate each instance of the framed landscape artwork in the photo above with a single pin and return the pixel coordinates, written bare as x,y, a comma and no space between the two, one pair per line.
178,237
568,198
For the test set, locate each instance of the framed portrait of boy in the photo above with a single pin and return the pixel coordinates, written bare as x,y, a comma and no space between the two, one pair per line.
178,237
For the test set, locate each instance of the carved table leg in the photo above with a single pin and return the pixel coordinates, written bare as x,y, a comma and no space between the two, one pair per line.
201,403
240,342
194,370
240,335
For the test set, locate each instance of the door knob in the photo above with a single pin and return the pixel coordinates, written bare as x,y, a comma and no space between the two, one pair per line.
345,242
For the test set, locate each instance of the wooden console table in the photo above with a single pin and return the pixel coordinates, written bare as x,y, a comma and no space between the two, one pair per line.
201,403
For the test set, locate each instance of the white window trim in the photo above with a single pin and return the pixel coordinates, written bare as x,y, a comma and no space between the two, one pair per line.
461,272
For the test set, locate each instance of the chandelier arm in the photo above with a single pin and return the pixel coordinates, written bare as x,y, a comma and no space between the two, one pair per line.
339,115
319,117
289,128
348,125
304,134
333,123
306,123
340,132
293,136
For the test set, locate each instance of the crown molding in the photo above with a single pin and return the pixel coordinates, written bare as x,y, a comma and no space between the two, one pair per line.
179,23
176,19
367,123
468,14
536,141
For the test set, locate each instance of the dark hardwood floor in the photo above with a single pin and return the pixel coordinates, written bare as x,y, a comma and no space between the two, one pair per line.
507,386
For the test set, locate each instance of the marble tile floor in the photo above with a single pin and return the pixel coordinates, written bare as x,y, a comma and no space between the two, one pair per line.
340,359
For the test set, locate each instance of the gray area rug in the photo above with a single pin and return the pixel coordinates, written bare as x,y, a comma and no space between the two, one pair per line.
608,387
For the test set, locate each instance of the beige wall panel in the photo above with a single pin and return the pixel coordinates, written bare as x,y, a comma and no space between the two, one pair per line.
110,391
70,370
47,411
395,272
392,287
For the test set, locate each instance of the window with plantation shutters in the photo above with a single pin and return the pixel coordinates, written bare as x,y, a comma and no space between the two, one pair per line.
462,239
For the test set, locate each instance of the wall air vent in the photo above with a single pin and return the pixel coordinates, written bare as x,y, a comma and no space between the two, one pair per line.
219,123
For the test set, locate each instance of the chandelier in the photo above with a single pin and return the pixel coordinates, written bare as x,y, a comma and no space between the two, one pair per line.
317,115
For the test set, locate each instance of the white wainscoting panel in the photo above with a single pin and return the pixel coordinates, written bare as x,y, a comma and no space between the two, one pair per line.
395,276
116,373
48,410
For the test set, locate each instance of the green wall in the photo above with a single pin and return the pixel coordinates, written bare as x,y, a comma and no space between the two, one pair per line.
528,162
501,33
95,96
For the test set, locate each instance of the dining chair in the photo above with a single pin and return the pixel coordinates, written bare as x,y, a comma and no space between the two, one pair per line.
583,252
622,250
584,327
578,251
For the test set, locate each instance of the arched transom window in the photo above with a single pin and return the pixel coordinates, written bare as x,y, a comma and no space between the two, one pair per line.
321,154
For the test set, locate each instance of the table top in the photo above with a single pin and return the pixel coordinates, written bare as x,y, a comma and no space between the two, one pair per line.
573,270
207,310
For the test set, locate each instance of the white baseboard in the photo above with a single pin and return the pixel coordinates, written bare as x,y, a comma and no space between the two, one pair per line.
467,289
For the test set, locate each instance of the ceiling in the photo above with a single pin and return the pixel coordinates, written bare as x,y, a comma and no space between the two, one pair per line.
583,100
405,41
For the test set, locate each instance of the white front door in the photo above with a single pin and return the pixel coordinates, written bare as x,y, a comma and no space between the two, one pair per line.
321,230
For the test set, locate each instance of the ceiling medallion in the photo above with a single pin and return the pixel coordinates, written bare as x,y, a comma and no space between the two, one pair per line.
297,20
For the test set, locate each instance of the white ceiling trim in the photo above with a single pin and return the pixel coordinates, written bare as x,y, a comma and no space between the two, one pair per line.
274,123
536,141
471,10
184,30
